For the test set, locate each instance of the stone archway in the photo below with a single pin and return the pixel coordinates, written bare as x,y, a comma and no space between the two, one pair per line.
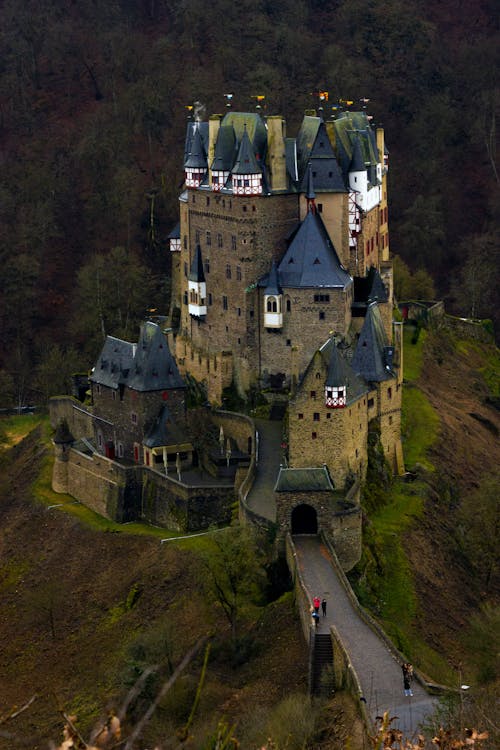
304,519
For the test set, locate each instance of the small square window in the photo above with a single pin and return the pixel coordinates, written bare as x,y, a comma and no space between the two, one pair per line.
133,417
313,394
314,435
301,416
316,416
329,415
321,315
289,342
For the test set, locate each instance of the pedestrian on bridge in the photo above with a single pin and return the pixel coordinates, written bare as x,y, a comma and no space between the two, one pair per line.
323,606
407,678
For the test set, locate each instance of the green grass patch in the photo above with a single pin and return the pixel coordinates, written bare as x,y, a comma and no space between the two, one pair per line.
419,428
14,428
487,357
413,353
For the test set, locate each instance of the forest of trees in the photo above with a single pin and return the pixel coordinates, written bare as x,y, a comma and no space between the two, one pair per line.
93,102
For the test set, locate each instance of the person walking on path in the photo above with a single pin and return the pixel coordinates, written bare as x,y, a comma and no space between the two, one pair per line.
407,677
323,606
316,603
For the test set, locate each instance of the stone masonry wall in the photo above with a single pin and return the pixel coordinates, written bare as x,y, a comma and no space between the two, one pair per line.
79,419
317,434
306,326
167,503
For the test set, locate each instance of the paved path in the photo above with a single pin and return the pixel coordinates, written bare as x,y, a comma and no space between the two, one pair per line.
378,671
260,499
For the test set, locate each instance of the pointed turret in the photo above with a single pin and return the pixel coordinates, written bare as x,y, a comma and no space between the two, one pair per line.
373,356
247,175
224,155
197,286
196,164
342,386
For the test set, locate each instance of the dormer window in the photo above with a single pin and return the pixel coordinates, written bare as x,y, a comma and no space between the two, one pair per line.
335,396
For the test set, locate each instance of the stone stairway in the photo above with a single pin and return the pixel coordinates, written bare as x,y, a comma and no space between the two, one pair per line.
321,677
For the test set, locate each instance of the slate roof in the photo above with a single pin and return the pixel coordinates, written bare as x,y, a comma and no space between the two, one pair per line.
192,128
311,259
114,363
197,156
226,149
304,480
175,234
369,288
164,432
145,366
256,130
154,367
369,359
315,150
197,272
340,372
246,163
273,285
351,128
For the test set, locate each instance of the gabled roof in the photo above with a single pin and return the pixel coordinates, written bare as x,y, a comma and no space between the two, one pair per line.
114,363
304,480
305,141
225,149
197,272
311,259
197,156
153,368
256,130
164,432
351,128
315,149
369,357
246,163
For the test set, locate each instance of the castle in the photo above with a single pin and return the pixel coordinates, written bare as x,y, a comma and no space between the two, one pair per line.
282,285
282,278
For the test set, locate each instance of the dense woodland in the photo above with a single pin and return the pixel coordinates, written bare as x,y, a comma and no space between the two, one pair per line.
93,98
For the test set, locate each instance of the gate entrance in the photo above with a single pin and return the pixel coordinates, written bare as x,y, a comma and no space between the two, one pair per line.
304,520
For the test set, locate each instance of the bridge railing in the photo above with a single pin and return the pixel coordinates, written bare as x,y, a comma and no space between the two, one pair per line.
429,685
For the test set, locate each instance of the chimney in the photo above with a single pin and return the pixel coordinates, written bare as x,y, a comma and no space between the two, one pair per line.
276,131
213,132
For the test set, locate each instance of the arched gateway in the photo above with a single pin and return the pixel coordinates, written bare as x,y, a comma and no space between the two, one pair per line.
304,519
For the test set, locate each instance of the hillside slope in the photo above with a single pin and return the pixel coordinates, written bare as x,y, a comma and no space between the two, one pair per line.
74,599
467,452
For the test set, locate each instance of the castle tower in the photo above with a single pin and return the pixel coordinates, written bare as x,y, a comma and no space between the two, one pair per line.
63,440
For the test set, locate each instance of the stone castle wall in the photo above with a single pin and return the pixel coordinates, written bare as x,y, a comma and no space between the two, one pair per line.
338,518
126,493
307,324
100,484
320,435
79,419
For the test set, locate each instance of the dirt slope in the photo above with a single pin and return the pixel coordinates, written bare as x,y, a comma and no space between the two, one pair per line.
468,450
